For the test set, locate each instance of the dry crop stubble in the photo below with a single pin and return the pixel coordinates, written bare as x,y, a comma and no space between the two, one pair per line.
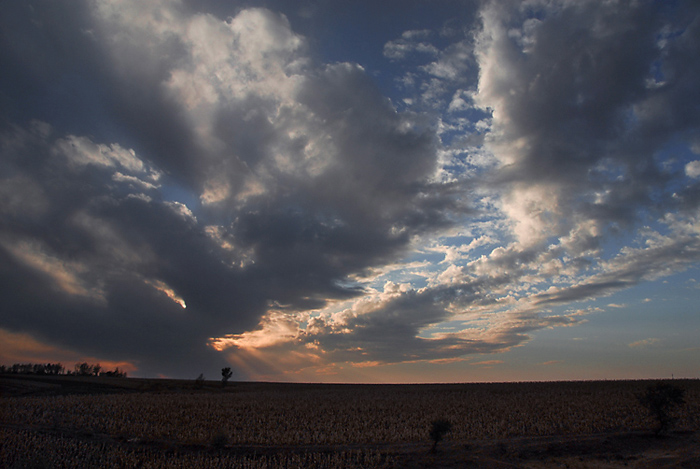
347,416
351,414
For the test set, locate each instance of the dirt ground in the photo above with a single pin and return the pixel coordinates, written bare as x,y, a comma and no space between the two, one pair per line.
636,450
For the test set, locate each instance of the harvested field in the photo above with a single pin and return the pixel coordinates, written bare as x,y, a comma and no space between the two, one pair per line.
159,423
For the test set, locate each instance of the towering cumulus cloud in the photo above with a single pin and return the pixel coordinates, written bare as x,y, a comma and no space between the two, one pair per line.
186,185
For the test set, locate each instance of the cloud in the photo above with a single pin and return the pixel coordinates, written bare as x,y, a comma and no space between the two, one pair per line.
64,276
385,328
193,184
300,174
572,112
80,151
488,362
552,362
409,42
692,169
645,342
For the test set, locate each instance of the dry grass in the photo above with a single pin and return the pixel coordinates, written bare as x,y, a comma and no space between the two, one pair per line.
316,418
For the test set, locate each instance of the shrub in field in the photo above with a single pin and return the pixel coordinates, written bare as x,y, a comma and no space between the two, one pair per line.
438,429
660,399
226,374
199,382
219,441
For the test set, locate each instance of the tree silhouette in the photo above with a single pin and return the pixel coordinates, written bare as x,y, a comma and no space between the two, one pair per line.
438,429
83,369
199,382
226,373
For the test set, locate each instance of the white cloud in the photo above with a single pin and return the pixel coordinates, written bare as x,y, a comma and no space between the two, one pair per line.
461,101
169,292
182,210
133,180
81,151
410,42
692,169
533,211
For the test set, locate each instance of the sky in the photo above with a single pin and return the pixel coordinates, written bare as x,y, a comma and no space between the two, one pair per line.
352,191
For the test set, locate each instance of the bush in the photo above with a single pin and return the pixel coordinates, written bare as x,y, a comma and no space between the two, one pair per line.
660,399
438,429
219,441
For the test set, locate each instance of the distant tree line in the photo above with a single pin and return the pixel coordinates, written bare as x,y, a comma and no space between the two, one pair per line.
80,369
33,369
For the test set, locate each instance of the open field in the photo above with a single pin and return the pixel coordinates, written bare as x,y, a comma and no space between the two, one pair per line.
59,421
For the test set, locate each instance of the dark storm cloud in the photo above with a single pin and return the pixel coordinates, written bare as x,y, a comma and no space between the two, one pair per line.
59,68
47,56
78,262
97,257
